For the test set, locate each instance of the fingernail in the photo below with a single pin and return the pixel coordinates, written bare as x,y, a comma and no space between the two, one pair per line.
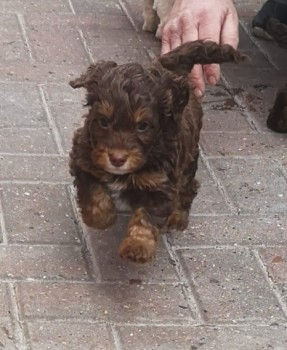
212,81
198,93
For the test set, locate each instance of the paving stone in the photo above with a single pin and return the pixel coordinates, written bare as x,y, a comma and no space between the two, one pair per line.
21,105
68,335
7,339
229,230
205,338
44,214
209,201
12,45
275,54
215,94
4,301
226,121
248,8
54,39
39,6
230,286
272,146
254,185
39,73
128,48
114,302
34,168
106,7
275,260
65,105
135,13
105,246
43,262
29,140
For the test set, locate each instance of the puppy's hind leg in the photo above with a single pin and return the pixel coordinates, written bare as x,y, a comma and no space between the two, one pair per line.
151,19
178,219
140,243
97,207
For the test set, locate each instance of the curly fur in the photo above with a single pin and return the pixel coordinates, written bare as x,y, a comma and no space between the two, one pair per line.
139,144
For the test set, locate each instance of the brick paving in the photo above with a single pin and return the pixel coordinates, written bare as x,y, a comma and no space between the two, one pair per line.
221,284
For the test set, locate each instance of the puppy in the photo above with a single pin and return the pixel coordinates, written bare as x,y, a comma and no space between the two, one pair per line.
155,13
139,144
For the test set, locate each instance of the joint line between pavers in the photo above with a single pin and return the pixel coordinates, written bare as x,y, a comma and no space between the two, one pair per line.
2,224
271,284
247,113
21,21
256,43
221,188
51,121
84,237
33,182
281,168
44,155
115,337
71,7
126,12
19,331
86,46
190,298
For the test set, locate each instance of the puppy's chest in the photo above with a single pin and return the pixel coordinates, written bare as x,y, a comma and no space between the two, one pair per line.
151,190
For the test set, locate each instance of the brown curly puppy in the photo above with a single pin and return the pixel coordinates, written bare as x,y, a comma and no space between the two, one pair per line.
139,144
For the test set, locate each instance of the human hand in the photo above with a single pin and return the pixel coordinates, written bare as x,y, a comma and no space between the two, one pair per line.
191,20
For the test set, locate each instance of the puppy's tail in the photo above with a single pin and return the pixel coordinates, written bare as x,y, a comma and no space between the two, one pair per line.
183,58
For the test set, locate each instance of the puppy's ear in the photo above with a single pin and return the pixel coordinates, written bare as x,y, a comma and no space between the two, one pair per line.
182,59
173,94
93,75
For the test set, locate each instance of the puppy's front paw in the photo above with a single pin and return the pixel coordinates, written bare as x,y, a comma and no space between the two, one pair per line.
140,246
99,214
178,220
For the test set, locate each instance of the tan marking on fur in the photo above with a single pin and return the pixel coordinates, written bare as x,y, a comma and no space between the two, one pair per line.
141,114
105,108
140,244
148,180
100,212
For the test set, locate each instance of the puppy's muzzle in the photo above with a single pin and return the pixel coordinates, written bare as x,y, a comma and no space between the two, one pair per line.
118,158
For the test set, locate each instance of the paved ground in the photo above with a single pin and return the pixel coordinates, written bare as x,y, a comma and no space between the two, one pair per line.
222,284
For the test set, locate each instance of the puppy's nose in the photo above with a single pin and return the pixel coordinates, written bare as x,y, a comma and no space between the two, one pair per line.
118,158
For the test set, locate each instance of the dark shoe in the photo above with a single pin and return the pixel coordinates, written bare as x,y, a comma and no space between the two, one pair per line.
268,10
278,31
277,119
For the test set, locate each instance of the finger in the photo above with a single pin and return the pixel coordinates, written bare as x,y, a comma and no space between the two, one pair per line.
229,31
212,73
197,80
190,33
175,37
211,30
165,41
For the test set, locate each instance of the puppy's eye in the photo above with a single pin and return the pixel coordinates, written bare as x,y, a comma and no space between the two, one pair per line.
103,122
142,126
